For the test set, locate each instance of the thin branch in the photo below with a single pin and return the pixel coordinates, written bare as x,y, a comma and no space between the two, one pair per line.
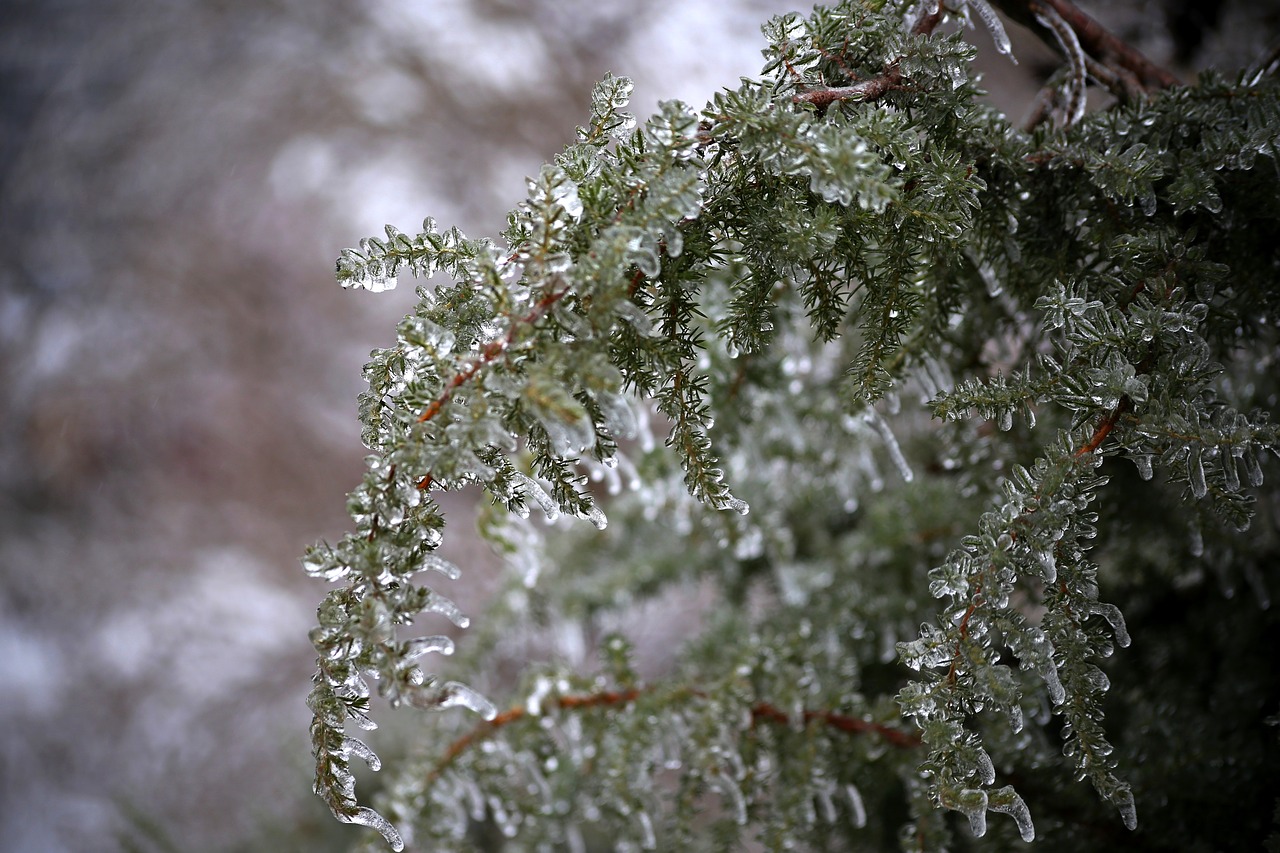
760,712
1105,427
491,352
873,87
1096,40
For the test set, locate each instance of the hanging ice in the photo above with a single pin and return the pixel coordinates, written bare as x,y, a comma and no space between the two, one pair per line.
364,816
1007,801
1113,615
455,694
427,645
891,444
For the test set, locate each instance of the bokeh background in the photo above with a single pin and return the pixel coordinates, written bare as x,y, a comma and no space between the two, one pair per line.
178,371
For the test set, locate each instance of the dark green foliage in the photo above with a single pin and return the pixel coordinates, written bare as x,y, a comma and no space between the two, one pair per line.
996,401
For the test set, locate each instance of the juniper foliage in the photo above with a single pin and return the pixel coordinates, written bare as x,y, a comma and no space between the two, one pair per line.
952,410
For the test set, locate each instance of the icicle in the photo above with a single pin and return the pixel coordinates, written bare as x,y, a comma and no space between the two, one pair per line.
454,694
891,444
972,803
1007,801
1049,563
426,645
432,563
648,840
994,27
1229,469
856,807
446,608
596,516
826,804
1252,469
1113,615
364,816
355,746
545,502
1057,694
1195,471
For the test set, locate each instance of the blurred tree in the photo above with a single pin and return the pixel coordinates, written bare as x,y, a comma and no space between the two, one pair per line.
952,410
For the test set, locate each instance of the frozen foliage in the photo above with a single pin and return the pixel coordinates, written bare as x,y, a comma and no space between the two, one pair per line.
922,348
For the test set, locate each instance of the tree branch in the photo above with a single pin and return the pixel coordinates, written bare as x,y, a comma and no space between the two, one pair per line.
760,712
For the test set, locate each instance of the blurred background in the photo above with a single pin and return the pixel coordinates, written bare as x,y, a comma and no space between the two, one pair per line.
178,370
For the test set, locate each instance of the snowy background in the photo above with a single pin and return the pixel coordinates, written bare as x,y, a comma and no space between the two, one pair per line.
178,370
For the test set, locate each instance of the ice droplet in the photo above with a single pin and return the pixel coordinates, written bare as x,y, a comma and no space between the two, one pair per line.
455,694
738,505
1049,563
596,516
1128,811
1143,463
365,816
373,284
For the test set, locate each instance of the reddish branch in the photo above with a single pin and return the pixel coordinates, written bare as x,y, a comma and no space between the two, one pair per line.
1105,427
760,712
491,352
1117,62
1101,44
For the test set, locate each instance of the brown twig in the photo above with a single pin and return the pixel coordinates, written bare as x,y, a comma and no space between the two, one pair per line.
491,352
873,87
760,712
1105,427
1096,40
